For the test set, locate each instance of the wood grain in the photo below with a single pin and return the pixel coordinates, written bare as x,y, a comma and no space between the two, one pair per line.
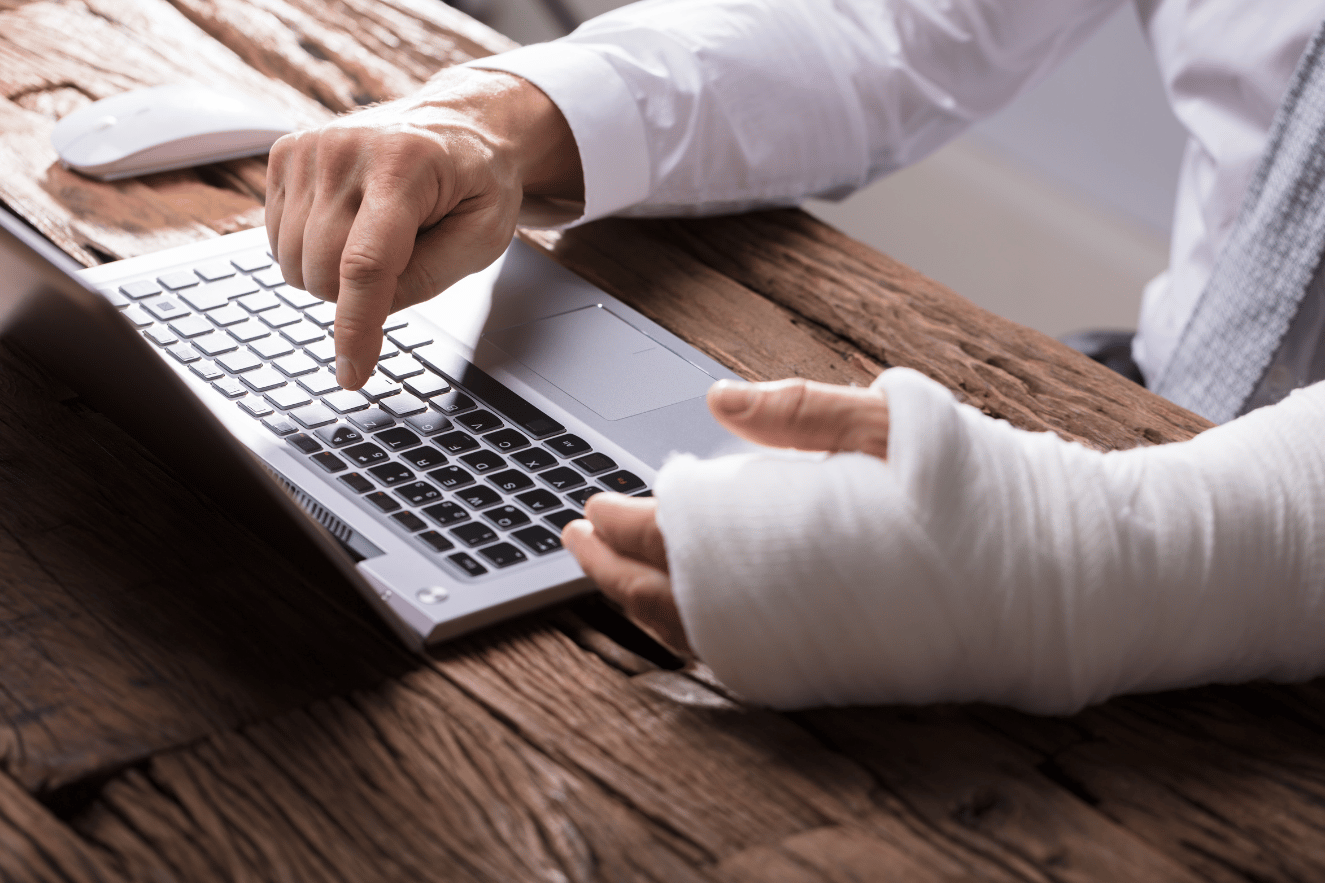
36,847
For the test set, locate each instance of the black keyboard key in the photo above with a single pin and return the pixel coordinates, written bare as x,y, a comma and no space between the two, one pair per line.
391,473
623,482
534,459
397,439
540,500
595,463
538,540
329,461
559,520
563,478
645,493
483,461
305,443
357,483
429,422
506,517
435,541
466,376
424,458
507,440
503,554
479,496
582,495
474,534
453,403
451,477
569,446
455,442
367,454
410,522
419,493
446,513
467,564
479,421
511,481
338,435
382,501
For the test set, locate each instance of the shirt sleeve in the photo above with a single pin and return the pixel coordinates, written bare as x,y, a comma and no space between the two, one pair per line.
710,106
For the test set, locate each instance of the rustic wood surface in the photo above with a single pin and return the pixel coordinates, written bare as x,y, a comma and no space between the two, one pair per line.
178,702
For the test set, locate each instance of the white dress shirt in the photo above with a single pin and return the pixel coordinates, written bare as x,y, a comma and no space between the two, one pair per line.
706,106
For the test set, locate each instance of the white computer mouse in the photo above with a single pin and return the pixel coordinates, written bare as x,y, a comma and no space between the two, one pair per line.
162,128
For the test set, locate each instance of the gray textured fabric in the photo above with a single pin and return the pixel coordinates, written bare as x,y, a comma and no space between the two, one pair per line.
1257,287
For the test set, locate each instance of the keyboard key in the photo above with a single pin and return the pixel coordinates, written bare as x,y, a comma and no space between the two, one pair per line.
378,387
239,362
305,443
393,322
480,421
281,316
161,335
391,473
382,501
165,308
214,271
140,289
503,554
233,288
559,520
366,454
312,416
435,541
424,458
329,461
324,314
271,347
453,403
538,540
451,477
190,326
397,439
207,370
388,350
429,423
562,478
323,350
280,424
582,495
116,299
228,315
288,397
483,461
339,435
506,440
510,481
177,280
506,517
446,514
568,446
248,331
252,261
455,442
357,483
403,405
427,385
297,297
138,316
534,459
257,407
301,333
295,364
269,277
400,368
184,352
622,482
262,379
411,522
463,561
345,401
259,301
372,420
204,299
418,493
230,387
595,463
215,343
643,493
409,336
540,500
498,397
478,497
474,533
319,383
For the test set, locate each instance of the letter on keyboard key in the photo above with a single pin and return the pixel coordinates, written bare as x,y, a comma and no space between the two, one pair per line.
463,561
418,493
366,454
538,540
446,514
372,420
503,554
622,482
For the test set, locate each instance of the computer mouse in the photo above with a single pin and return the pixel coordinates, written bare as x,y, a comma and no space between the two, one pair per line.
160,128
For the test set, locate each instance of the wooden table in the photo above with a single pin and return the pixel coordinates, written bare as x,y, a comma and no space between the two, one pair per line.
180,703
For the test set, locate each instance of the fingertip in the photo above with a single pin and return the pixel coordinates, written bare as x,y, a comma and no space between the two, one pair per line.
347,375
731,398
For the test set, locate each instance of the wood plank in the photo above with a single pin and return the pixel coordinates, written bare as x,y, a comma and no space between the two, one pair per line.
35,847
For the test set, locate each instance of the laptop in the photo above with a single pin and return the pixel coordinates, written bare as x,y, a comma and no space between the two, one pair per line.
440,490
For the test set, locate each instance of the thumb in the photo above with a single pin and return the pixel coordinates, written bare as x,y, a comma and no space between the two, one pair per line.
803,414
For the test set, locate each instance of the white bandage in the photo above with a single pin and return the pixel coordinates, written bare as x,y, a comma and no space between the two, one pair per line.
982,562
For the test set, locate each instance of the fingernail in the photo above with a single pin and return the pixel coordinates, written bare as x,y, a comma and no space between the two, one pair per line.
346,376
732,396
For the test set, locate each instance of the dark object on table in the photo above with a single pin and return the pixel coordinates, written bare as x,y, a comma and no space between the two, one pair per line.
1112,349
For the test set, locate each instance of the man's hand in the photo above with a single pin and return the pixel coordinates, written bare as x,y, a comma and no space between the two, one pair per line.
384,208
619,545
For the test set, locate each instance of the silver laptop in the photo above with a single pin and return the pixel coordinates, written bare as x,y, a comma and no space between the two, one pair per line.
440,490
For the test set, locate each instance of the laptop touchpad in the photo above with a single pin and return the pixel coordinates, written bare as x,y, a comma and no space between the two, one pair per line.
602,362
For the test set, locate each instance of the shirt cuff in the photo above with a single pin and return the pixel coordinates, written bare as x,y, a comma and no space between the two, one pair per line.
603,118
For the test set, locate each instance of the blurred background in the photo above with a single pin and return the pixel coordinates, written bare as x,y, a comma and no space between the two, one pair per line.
1054,213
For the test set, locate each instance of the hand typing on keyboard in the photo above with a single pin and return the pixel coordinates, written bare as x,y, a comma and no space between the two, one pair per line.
384,208
620,546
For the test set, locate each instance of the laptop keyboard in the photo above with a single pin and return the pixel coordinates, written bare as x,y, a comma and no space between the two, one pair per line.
480,477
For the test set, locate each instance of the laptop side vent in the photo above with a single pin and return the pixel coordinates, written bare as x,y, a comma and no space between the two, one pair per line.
355,545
